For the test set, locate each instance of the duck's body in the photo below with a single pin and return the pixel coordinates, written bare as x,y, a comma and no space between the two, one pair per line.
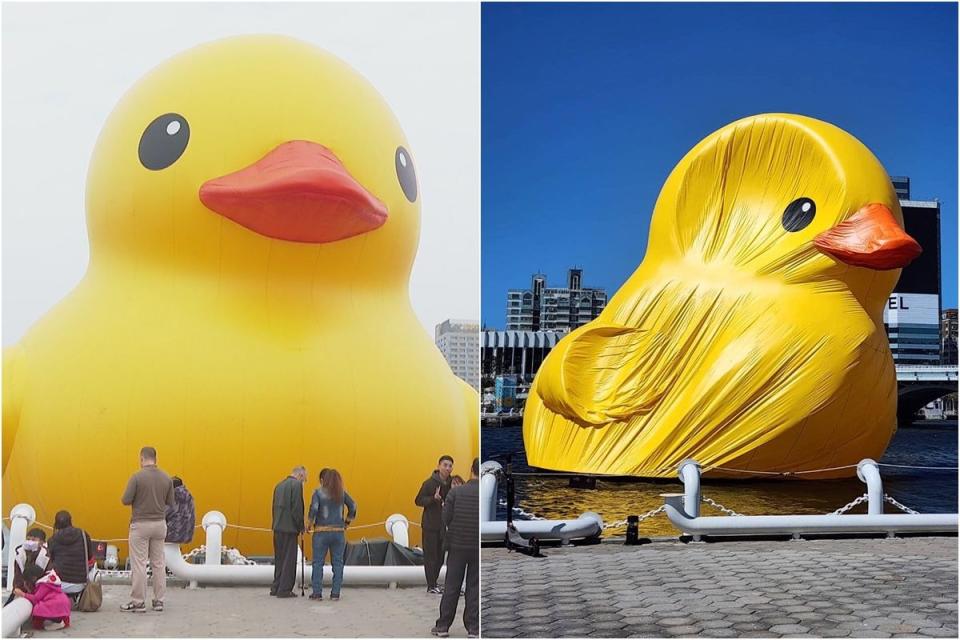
237,355
737,343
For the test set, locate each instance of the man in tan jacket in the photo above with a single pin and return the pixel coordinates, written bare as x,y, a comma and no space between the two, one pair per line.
149,492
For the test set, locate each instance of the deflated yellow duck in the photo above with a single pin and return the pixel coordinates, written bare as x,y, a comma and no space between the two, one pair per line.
751,337
253,214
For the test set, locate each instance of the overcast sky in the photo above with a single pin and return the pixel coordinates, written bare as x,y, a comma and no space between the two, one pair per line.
66,65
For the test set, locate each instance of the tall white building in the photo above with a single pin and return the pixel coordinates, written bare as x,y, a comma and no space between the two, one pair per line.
459,342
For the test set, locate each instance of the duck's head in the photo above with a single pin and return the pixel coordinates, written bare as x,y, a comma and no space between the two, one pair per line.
790,198
253,153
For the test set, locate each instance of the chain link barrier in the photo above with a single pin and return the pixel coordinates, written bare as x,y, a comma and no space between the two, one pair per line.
902,507
622,523
719,507
849,505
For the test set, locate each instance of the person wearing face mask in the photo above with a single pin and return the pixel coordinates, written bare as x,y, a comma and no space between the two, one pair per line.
432,493
33,551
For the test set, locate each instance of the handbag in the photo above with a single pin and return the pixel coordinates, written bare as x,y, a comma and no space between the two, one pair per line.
92,595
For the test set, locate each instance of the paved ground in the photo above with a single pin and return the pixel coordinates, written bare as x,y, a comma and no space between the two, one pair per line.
251,612
815,588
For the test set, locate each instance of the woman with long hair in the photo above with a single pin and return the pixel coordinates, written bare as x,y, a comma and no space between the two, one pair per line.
328,525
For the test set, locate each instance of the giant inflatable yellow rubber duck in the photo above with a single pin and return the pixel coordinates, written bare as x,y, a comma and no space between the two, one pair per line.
751,337
253,214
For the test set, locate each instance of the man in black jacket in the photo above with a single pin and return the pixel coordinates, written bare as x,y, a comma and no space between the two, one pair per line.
460,514
432,493
287,527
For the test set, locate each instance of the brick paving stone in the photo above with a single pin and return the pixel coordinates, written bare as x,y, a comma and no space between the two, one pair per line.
834,588
785,629
682,631
939,632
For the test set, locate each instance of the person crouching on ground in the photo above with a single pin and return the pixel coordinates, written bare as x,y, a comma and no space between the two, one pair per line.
182,516
287,527
463,542
71,555
149,492
33,551
51,606
328,525
432,493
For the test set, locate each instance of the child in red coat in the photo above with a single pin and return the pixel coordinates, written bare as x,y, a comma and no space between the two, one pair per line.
51,606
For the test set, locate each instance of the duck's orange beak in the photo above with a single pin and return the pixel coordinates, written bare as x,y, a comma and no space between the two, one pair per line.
300,192
870,238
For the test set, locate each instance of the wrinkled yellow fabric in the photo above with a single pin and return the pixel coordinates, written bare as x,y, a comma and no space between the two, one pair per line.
735,343
236,355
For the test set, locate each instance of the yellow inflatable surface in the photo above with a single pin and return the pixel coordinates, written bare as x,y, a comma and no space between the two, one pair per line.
751,337
253,213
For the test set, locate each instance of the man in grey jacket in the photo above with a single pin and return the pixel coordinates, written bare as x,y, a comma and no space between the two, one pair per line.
287,527
149,492
460,515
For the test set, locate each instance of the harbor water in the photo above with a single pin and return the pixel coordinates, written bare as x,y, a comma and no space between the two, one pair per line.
930,444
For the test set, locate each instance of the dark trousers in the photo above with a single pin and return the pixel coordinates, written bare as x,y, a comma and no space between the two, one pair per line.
284,562
432,555
460,562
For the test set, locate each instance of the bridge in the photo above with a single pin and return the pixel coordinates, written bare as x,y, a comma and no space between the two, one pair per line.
918,385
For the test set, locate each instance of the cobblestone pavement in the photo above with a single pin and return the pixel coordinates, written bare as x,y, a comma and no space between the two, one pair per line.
865,588
362,612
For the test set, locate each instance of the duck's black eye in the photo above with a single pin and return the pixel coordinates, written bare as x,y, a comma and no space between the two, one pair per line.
164,141
406,174
798,214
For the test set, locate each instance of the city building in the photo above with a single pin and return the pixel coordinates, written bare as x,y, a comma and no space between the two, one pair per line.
551,308
912,315
517,353
459,341
948,336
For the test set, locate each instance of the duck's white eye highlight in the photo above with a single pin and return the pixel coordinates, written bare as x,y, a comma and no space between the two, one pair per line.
173,128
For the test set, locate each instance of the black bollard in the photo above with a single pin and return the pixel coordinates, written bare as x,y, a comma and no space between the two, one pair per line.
633,530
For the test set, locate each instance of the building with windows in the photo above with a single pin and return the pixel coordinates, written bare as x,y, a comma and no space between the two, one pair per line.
948,336
551,308
912,316
459,342
517,353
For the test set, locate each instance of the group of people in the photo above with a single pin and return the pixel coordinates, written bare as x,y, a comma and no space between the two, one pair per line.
449,524
327,523
52,574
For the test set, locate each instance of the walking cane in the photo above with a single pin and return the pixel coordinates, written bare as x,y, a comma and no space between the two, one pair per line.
303,564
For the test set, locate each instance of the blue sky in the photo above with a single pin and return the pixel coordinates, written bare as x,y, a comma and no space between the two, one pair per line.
586,109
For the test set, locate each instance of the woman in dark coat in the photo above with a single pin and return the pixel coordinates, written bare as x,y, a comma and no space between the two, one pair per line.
181,517
66,548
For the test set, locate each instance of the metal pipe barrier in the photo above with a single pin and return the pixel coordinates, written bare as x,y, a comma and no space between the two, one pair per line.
20,518
213,572
15,615
682,514
588,525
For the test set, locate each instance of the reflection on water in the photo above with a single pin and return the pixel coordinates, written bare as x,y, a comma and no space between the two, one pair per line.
929,444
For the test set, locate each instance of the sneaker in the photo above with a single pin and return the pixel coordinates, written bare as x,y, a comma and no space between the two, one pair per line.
440,633
134,607
50,625
157,605
316,596
473,634
335,598
436,590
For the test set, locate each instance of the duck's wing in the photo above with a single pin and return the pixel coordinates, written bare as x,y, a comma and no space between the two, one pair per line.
605,373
